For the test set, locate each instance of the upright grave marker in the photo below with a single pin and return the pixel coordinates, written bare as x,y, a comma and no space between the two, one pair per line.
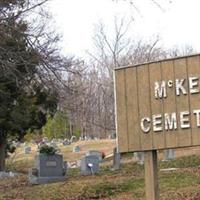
158,107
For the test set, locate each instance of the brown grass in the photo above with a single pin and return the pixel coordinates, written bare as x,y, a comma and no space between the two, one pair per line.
125,184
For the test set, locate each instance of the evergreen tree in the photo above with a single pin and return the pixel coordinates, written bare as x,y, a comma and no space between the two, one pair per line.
56,127
25,101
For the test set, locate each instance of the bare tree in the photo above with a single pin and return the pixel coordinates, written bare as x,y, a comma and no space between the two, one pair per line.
112,52
181,51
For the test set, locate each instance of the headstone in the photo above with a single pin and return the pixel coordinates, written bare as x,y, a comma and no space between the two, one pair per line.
4,174
96,153
169,154
48,168
85,138
89,165
72,139
139,156
116,159
76,149
25,144
27,150
113,135
66,142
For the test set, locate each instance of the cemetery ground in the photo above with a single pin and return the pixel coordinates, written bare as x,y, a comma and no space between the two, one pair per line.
181,183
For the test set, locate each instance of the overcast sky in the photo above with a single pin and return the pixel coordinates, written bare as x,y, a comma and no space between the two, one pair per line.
176,21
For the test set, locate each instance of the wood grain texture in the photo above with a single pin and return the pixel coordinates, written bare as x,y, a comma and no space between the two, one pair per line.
132,111
169,103
182,102
151,175
122,133
193,68
156,104
144,104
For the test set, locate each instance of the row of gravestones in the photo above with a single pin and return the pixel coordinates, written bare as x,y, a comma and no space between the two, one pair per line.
53,168
169,154
54,143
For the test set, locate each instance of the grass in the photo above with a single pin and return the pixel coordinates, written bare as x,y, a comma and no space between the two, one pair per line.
124,184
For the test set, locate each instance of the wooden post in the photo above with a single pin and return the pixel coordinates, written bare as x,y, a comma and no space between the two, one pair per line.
151,175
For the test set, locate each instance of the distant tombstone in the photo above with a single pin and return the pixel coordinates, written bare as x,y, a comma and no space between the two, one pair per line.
27,150
4,174
85,138
66,142
76,149
96,153
96,138
72,139
113,135
89,138
89,165
48,168
169,154
81,138
116,159
139,156
25,144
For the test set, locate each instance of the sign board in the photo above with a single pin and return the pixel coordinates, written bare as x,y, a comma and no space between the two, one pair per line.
158,104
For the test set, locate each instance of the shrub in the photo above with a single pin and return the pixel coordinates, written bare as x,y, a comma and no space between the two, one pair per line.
48,150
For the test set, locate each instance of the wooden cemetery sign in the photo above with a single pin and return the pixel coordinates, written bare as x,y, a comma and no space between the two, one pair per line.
158,107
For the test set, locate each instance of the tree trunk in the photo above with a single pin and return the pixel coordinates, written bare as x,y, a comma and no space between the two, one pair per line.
2,154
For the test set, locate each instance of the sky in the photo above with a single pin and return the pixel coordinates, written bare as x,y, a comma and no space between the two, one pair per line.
175,21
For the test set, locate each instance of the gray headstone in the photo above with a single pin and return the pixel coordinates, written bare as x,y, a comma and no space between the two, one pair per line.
113,135
72,139
139,156
25,144
76,149
48,169
49,165
169,154
96,153
66,142
116,159
89,165
27,150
